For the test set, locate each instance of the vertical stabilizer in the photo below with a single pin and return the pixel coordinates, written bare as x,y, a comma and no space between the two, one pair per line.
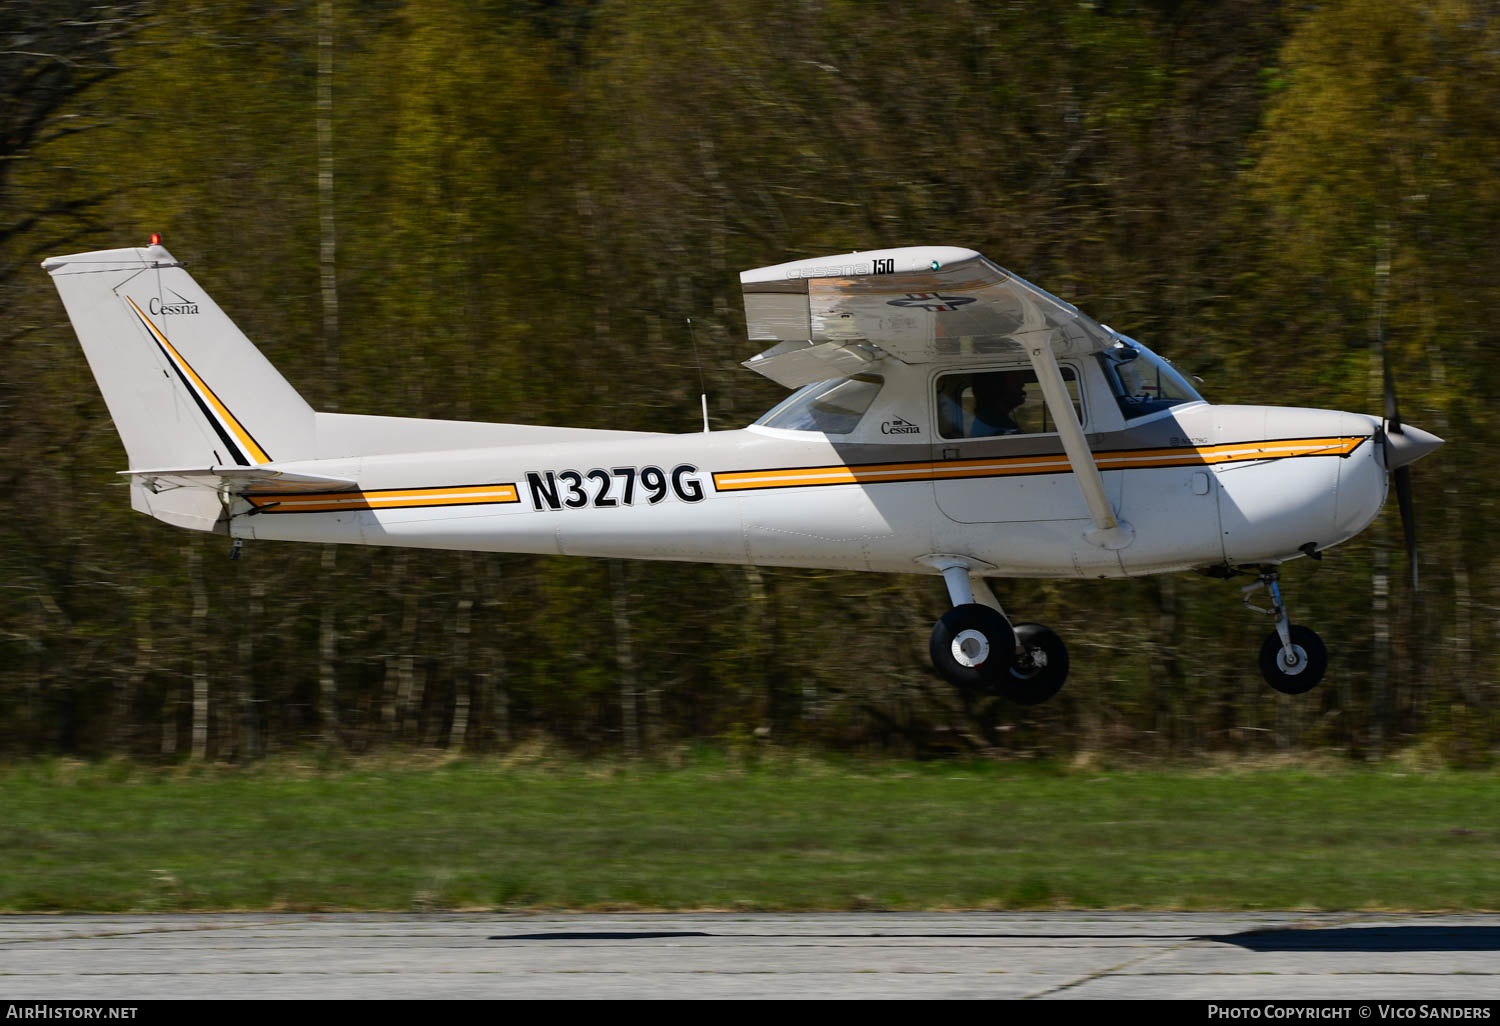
184,385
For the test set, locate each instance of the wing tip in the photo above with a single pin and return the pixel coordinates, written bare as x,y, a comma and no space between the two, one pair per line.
901,260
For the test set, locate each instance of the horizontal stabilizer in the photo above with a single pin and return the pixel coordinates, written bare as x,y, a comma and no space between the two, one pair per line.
238,480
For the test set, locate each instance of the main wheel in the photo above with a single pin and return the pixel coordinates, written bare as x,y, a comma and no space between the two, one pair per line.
1303,672
1039,668
971,647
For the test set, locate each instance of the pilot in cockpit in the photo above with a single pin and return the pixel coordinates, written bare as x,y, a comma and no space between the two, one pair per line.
996,397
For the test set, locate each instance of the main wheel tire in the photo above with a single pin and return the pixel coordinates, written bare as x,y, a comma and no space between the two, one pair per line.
1039,668
971,647
1305,672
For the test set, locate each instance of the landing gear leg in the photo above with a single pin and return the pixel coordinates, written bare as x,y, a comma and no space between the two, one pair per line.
976,648
1293,658
972,643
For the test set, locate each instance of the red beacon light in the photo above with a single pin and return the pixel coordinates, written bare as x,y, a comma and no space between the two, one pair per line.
156,238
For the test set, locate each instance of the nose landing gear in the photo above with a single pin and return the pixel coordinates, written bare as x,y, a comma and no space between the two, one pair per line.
1293,658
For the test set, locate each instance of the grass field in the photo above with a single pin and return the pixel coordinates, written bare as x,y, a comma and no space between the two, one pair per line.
725,833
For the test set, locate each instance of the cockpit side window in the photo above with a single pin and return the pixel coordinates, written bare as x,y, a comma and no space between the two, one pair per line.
1143,382
833,407
1003,402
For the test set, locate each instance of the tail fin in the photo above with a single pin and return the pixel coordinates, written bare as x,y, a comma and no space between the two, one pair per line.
185,387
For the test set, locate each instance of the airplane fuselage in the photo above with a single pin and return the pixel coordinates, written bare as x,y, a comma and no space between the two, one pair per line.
1201,485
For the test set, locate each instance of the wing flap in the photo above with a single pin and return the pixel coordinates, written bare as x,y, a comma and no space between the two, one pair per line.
918,304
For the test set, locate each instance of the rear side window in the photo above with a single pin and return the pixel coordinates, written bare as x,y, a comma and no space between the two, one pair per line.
833,407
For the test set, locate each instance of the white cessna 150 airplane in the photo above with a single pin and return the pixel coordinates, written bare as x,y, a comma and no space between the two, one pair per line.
950,419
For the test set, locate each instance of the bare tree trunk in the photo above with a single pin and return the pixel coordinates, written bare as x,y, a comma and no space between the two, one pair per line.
1380,662
250,741
328,710
390,710
463,677
494,684
328,287
1170,682
200,652
327,237
129,685
140,667
760,622
625,657
408,692
1380,579
169,719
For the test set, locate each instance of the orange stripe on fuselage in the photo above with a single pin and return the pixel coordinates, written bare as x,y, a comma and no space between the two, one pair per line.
390,498
1049,463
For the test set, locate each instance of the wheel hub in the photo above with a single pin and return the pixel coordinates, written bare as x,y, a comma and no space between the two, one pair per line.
971,648
1293,662
1031,659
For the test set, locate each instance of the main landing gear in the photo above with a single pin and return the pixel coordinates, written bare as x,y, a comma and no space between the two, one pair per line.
1292,658
980,652
977,649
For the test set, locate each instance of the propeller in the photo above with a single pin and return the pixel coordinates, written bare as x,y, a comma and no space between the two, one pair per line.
1403,445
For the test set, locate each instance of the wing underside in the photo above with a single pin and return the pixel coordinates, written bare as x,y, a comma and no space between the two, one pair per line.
919,304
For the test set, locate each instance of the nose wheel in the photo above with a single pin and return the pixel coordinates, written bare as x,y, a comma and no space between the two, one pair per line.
1299,670
1293,658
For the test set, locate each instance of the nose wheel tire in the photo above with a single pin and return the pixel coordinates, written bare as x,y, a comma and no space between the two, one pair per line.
1303,671
971,647
1039,668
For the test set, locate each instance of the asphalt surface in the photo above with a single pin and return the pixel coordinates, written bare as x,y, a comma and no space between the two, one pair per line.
1283,956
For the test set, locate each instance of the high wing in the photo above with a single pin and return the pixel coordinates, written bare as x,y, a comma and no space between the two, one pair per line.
832,315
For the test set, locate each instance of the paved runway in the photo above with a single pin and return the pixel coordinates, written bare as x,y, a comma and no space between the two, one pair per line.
857,955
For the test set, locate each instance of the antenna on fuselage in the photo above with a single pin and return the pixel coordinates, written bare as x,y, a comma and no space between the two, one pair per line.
703,393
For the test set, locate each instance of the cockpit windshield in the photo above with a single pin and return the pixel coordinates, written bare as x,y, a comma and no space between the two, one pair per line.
1142,381
833,407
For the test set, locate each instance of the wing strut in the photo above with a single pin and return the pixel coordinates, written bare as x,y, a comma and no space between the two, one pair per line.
1109,532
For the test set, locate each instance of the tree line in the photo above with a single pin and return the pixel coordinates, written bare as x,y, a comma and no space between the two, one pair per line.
508,211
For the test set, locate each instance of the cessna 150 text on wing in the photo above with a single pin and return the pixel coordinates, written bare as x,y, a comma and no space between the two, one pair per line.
949,419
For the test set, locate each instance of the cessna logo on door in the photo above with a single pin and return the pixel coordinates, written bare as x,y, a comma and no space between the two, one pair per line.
934,301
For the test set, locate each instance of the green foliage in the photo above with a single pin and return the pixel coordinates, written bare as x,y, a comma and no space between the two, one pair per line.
1258,197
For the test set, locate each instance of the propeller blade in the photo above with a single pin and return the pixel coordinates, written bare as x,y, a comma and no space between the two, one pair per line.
1408,518
1392,411
1400,450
